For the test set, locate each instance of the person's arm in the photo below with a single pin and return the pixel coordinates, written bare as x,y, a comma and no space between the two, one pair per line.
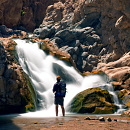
54,89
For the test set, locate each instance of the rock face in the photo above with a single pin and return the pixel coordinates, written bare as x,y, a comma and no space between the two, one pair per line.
28,14
93,100
118,70
124,96
80,28
14,92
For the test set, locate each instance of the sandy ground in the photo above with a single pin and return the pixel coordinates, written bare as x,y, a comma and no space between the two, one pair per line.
70,122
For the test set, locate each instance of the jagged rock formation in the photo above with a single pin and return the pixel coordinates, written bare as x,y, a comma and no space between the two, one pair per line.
23,13
15,96
81,29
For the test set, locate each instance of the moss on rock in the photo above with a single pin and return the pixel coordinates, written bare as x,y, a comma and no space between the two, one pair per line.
124,96
93,100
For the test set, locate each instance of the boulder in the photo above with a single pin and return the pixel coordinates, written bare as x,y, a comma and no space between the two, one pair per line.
126,113
44,32
93,100
124,96
52,48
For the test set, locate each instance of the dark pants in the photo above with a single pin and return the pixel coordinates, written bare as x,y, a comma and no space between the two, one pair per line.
59,101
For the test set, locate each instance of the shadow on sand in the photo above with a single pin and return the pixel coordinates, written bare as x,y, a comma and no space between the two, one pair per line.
6,122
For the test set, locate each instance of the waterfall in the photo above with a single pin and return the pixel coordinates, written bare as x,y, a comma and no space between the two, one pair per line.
43,69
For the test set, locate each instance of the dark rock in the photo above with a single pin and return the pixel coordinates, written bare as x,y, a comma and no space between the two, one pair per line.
84,55
87,118
44,32
5,31
58,40
101,119
115,120
65,35
91,20
76,49
2,68
109,119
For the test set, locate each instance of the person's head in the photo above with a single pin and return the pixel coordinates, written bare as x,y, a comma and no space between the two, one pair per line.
58,78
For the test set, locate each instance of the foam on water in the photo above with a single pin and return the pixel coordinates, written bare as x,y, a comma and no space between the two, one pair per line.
43,69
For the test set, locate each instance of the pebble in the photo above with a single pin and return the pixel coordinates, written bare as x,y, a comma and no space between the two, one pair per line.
87,118
101,118
109,119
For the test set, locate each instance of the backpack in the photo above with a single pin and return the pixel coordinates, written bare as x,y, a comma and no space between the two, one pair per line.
62,89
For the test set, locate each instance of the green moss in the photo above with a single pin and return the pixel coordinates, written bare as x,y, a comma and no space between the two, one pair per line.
90,100
104,110
31,100
22,13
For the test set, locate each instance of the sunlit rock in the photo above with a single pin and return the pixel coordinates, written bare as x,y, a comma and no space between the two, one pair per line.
93,100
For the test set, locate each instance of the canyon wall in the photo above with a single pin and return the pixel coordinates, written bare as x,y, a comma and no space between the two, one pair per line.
23,14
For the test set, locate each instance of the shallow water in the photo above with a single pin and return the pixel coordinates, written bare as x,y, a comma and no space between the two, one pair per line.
43,70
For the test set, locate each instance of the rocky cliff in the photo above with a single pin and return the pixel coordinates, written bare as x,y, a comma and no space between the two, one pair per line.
23,14
94,33
15,96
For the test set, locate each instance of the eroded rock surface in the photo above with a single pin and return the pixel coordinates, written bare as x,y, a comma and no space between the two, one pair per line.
15,96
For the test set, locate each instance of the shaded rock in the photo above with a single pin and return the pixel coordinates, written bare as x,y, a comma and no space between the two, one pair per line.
124,96
5,31
65,35
101,119
58,41
44,32
15,96
29,14
109,119
2,68
126,113
87,118
93,100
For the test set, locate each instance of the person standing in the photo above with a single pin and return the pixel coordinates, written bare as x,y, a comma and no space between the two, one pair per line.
59,100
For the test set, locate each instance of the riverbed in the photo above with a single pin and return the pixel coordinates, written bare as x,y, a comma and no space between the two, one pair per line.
70,121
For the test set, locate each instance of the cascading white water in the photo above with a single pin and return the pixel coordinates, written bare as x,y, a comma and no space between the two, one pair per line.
43,69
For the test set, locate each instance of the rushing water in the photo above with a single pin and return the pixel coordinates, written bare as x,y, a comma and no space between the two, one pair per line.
43,69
